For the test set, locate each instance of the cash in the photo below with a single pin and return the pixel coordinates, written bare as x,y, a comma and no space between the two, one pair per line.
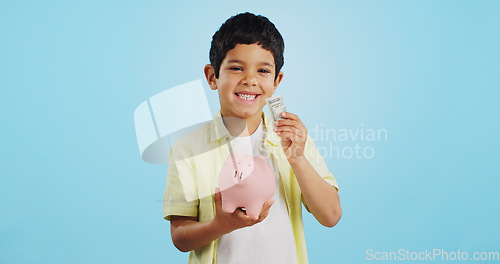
276,105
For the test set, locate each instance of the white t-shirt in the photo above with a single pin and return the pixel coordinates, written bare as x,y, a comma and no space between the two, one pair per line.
270,241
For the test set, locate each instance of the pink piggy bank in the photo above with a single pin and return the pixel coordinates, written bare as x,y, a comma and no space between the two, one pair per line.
249,185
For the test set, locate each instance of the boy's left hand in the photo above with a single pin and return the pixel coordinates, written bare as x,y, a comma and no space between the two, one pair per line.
293,136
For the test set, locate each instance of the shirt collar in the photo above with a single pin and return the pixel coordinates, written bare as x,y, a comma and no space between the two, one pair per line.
219,131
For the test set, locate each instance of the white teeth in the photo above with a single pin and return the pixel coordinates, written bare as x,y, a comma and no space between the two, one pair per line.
247,97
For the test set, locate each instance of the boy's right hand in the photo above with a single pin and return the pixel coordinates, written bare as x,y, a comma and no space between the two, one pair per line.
227,222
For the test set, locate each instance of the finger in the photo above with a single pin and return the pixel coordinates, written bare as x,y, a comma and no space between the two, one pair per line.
288,122
287,135
262,217
265,210
300,133
217,198
289,115
240,214
243,217
265,207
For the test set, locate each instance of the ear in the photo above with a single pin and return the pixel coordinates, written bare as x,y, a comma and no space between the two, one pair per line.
278,80
210,75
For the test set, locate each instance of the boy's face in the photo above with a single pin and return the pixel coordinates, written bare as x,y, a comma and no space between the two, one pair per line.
246,79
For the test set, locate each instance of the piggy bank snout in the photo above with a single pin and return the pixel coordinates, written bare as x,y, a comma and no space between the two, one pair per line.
244,168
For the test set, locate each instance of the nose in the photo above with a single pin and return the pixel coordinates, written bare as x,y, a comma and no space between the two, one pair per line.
250,79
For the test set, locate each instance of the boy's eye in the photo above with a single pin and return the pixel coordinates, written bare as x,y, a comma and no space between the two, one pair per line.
235,68
264,71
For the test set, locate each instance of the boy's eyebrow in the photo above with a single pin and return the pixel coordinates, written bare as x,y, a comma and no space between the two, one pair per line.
267,64
260,63
233,61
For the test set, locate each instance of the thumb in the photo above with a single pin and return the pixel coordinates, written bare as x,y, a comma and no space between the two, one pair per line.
217,198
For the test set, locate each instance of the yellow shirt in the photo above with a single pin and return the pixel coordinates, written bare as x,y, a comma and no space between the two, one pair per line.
192,176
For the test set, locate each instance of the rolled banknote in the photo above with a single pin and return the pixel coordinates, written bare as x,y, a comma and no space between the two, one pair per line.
276,105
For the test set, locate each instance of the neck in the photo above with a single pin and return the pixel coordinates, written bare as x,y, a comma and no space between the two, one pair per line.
241,127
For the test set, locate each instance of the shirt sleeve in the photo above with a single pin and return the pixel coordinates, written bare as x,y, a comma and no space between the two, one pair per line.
179,198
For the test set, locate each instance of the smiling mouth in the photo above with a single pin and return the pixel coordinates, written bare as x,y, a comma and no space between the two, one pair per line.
247,97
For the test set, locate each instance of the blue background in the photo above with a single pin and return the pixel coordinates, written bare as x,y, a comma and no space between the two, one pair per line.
74,188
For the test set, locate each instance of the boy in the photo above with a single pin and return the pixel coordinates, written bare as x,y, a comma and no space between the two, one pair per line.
246,57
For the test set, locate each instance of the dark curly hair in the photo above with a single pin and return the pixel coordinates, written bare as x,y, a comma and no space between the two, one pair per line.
246,28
